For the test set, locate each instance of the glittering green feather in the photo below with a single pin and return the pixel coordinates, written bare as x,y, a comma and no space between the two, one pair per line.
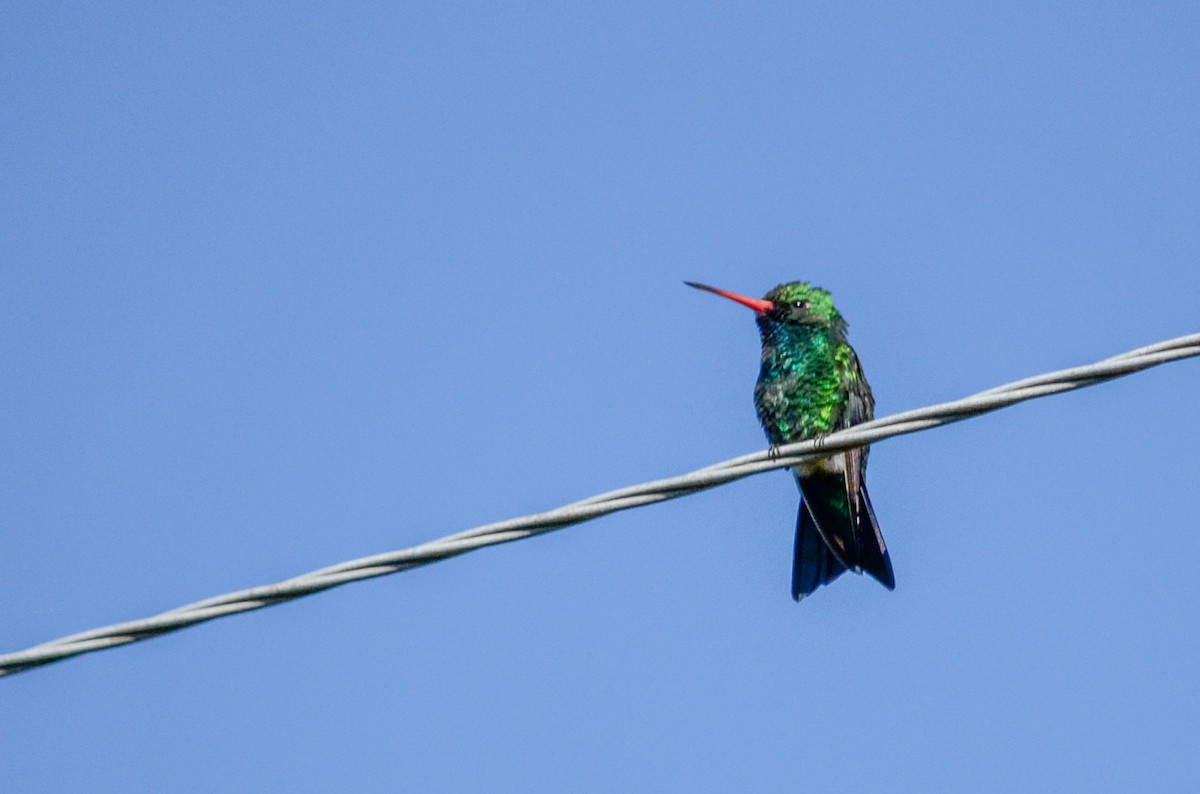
809,372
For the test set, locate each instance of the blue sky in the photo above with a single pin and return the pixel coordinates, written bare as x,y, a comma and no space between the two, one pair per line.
286,286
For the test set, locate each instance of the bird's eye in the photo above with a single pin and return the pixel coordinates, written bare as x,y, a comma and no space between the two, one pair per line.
801,305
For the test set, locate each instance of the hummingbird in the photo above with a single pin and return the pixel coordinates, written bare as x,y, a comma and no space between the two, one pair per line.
811,384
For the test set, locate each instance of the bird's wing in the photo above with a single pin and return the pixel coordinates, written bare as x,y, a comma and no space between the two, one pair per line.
860,407
872,554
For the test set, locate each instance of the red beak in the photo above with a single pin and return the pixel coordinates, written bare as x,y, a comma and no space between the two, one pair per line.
759,306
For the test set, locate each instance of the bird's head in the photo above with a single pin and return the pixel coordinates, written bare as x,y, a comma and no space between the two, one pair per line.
797,303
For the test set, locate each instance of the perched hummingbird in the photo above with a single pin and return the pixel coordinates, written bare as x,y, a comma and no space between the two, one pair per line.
811,384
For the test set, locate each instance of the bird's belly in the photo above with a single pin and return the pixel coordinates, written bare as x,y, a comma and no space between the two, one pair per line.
834,464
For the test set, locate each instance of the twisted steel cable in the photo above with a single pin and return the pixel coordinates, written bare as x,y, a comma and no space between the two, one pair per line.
603,504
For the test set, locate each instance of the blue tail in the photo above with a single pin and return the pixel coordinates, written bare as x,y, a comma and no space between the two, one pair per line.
814,564
836,531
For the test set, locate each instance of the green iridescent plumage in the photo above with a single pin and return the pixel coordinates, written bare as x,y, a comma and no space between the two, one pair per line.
810,384
806,366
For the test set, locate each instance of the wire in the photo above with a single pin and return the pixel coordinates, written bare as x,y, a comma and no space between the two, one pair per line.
603,504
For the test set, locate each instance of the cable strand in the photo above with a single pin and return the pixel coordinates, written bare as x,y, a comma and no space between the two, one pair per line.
593,507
